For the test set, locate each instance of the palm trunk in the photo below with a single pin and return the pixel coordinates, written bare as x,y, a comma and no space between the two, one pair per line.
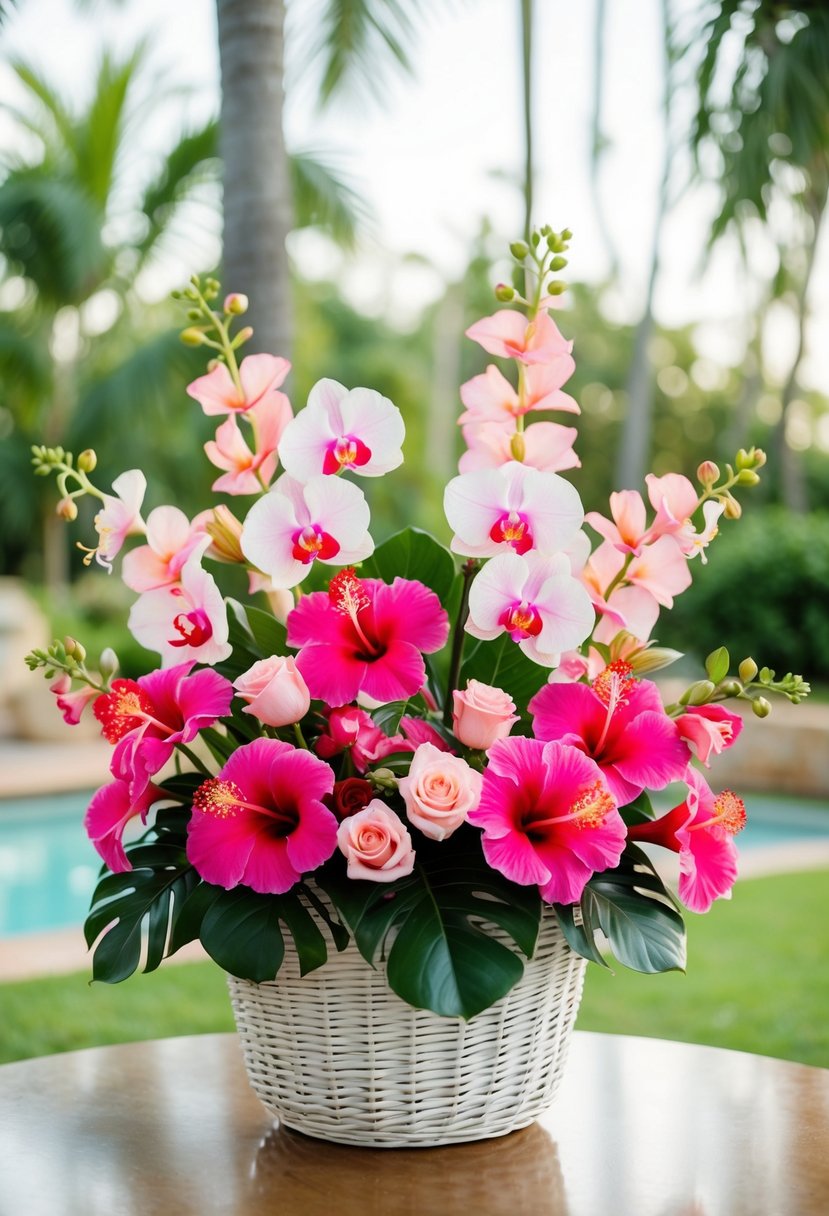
527,96
598,141
634,451
257,198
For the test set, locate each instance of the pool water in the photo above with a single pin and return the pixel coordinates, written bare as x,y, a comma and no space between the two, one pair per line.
48,868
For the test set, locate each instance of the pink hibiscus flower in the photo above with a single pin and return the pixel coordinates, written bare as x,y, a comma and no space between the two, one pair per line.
358,431
709,728
261,376
701,830
146,718
108,814
536,600
364,636
187,620
511,507
326,520
621,723
548,817
262,821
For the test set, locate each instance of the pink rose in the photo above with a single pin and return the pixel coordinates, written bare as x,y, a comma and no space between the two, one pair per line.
482,715
439,791
709,728
275,691
376,844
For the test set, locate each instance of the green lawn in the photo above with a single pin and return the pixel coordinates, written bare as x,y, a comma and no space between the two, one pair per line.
757,981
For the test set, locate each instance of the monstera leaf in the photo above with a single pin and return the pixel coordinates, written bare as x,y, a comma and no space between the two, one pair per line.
428,927
416,555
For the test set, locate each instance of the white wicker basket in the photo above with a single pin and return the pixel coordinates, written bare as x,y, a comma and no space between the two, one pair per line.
338,1056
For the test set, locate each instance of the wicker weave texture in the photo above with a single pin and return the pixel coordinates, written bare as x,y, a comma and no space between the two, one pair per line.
338,1056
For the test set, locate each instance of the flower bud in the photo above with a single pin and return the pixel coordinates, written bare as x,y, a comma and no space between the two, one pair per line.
275,691
236,304
566,235
556,288
66,509
761,707
754,458
653,658
382,779
87,460
733,510
74,649
731,688
518,446
108,663
244,335
747,670
747,477
708,473
192,336
519,250
558,263
698,694
504,293
225,531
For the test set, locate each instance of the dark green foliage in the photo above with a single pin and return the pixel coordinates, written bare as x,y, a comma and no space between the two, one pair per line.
766,589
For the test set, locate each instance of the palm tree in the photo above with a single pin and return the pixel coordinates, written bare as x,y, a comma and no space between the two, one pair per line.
771,134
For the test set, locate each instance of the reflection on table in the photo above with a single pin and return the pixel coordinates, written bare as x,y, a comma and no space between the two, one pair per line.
639,1127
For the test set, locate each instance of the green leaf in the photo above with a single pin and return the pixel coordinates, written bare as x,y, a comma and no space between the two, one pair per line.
416,555
503,664
717,664
388,716
241,931
137,906
440,957
220,746
181,786
640,810
636,914
578,938
187,920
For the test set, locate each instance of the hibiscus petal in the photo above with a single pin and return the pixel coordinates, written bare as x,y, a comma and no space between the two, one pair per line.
514,856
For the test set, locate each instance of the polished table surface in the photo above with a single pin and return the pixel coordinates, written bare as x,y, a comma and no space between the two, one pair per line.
639,1127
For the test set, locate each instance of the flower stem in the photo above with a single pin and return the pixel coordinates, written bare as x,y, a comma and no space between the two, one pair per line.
470,569
300,738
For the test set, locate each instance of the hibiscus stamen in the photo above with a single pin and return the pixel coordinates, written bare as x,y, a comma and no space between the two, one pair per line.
589,810
224,799
123,709
729,814
611,686
348,595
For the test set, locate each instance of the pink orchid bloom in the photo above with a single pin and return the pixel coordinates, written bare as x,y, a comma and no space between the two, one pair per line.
709,729
364,636
109,812
701,831
147,718
536,600
261,821
633,609
119,517
548,817
356,431
171,539
662,570
628,531
261,376
546,446
187,620
675,501
621,723
294,525
509,334
353,729
249,472
71,704
491,398
511,507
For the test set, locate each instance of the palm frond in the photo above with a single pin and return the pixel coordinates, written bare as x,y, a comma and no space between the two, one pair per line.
52,118
98,139
192,161
323,197
356,43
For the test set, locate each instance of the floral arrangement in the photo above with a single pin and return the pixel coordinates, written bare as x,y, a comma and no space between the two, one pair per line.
380,746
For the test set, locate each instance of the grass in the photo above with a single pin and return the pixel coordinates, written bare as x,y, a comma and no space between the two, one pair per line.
757,981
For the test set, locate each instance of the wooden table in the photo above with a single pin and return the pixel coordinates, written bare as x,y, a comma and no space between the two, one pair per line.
640,1128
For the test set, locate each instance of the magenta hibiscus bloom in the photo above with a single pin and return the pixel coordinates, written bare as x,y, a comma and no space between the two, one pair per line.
262,821
366,636
548,817
147,717
701,831
109,812
622,724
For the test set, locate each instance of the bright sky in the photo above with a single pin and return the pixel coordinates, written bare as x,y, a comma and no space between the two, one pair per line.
439,154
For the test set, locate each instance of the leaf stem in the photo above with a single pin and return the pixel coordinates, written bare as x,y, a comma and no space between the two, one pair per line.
470,569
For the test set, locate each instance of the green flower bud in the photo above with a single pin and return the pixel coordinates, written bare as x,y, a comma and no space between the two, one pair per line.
747,670
747,477
87,460
74,649
654,658
108,663
556,288
761,707
236,304
504,293
382,779
566,235
519,250
534,239
518,446
731,688
698,694
558,263
733,510
192,336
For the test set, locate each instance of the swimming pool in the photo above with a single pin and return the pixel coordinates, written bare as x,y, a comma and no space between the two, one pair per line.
48,868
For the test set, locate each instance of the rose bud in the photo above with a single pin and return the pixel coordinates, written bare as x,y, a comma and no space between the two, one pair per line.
349,795
376,844
482,715
275,691
439,791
